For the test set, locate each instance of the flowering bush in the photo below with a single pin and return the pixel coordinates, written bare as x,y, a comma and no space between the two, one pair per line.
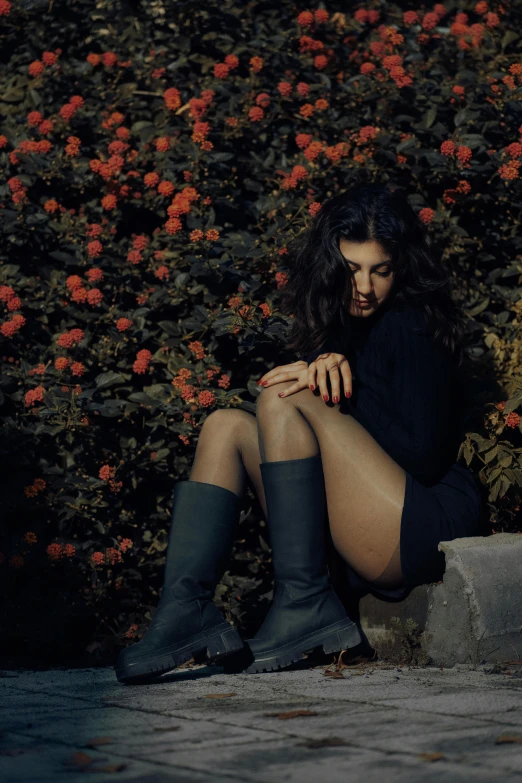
153,172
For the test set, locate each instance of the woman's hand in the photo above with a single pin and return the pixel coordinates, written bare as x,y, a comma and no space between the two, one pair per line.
329,364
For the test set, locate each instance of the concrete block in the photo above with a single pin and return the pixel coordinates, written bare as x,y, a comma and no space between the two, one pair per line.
473,615
476,613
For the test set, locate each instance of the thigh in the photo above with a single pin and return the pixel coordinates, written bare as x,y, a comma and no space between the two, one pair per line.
365,488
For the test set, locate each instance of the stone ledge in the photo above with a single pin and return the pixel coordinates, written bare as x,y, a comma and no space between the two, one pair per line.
474,614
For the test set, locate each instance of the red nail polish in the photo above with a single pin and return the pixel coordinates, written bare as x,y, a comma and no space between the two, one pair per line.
264,383
348,394
335,399
280,394
325,397
312,387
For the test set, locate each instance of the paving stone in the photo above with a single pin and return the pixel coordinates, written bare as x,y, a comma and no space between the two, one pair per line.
470,745
385,723
28,760
25,717
512,715
156,733
253,715
288,760
461,703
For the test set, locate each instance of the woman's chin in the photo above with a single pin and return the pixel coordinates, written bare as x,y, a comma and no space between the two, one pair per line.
363,310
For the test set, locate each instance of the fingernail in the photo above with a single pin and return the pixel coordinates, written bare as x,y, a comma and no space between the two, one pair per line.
312,386
264,383
348,394
335,399
281,394
325,397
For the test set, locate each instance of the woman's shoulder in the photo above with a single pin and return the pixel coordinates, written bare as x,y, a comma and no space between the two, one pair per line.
401,317
408,328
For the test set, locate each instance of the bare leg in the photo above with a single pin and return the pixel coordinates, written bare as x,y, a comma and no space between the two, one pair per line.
364,486
227,453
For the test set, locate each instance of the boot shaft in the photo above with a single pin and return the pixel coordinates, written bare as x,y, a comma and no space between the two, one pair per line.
202,531
296,511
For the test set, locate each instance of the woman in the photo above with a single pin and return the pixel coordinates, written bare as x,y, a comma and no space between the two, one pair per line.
367,465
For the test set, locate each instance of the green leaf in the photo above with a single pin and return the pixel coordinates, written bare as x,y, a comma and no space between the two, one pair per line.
509,37
137,126
429,118
171,328
108,379
490,455
143,398
461,117
478,308
161,454
65,257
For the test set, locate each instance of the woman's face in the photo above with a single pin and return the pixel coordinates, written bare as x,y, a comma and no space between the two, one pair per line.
372,277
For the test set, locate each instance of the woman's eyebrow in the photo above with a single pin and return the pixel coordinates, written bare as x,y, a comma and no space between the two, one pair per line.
375,266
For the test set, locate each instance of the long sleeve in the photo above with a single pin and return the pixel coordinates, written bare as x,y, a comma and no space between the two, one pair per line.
330,344
310,357
419,434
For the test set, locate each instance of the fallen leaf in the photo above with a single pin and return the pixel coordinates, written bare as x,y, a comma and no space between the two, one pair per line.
327,742
431,756
508,738
290,714
354,662
336,674
218,695
80,759
108,768
93,743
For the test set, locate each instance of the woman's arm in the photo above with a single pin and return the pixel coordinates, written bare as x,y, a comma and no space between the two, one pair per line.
331,343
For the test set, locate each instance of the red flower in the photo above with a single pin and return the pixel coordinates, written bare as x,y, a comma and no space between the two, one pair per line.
49,58
55,551
109,202
67,111
122,324
305,19
34,118
34,395
426,215
165,188
172,98
94,296
109,59
36,68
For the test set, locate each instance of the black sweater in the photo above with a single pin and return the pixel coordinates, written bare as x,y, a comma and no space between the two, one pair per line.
406,390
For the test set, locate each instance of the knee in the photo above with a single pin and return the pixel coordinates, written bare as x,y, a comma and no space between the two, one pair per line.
268,399
227,420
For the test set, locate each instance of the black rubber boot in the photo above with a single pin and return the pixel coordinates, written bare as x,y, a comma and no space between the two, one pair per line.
187,622
306,612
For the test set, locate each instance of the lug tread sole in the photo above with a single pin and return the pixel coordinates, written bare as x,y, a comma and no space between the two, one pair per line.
340,636
222,641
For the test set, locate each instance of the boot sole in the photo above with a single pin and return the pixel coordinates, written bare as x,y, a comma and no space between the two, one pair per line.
340,636
224,640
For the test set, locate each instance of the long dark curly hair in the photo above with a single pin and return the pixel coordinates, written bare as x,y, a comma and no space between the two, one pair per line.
318,290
